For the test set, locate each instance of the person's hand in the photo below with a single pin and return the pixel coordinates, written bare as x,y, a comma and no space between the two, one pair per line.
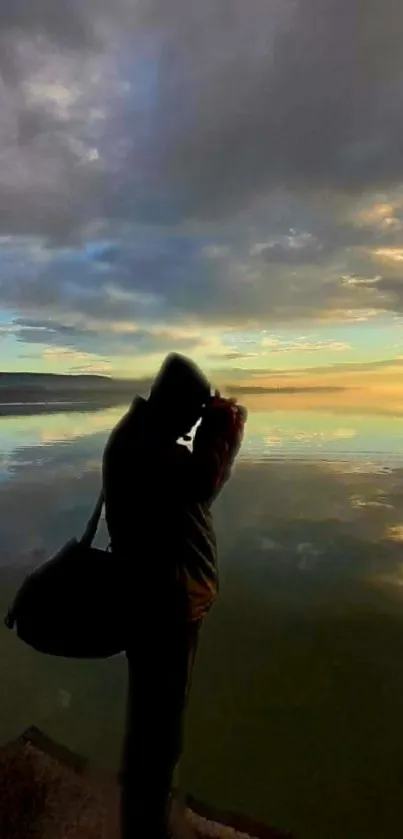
221,401
224,415
222,430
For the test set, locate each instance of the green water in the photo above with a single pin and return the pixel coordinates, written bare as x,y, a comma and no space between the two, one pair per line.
295,715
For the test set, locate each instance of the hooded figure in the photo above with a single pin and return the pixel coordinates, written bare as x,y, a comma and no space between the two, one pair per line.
158,496
181,391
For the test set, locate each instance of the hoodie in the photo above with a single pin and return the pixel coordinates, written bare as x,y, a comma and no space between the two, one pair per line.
158,498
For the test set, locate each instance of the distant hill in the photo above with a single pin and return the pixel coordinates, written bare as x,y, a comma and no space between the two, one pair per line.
44,387
54,381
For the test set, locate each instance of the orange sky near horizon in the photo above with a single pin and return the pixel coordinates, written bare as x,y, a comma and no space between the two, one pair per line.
378,390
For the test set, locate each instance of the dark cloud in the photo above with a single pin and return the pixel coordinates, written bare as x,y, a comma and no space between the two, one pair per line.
96,341
299,247
151,131
307,94
392,289
339,367
155,277
224,100
359,366
255,390
231,356
288,254
66,23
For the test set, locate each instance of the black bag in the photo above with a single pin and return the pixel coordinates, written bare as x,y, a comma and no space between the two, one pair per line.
73,604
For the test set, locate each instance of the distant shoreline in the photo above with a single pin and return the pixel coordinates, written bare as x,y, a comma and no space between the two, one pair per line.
30,395
22,394
45,402
53,406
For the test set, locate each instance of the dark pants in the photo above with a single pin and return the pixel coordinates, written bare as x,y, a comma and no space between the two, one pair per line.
160,661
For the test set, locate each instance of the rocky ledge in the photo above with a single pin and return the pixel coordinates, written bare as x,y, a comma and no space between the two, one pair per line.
48,792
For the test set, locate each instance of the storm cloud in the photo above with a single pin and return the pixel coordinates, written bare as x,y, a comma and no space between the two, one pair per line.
239,97
204,163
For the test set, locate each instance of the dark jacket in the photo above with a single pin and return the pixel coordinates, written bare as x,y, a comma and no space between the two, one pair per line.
158,500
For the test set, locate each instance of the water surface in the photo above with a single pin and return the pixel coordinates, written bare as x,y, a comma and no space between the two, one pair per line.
295,715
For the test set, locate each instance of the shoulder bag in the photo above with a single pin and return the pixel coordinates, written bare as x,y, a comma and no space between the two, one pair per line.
73,604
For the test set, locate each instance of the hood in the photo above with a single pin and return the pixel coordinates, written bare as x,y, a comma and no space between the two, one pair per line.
180,379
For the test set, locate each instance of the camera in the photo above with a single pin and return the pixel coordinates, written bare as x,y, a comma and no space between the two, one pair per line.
218,401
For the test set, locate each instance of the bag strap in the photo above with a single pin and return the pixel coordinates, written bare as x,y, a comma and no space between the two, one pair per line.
92,526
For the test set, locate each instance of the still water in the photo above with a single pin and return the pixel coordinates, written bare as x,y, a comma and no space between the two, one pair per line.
296,713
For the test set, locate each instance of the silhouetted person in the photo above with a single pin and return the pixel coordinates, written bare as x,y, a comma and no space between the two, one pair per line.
158,496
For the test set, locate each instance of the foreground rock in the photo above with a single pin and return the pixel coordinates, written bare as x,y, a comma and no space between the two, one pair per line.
47,792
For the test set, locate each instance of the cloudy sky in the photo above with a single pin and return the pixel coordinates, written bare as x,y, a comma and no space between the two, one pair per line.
221,178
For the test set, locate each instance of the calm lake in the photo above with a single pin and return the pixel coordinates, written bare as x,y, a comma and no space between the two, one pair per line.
296,712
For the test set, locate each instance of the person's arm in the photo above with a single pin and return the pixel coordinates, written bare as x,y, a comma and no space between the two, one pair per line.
202,473
222,430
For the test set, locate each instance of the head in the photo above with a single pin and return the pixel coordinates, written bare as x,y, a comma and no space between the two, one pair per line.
178,396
